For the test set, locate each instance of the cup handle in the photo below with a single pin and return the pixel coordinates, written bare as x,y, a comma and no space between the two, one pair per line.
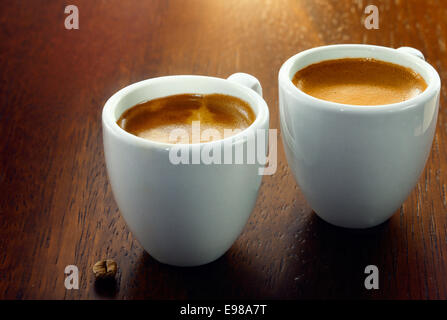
247,81
412,51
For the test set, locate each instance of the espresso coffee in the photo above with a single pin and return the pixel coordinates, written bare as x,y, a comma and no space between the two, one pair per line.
359,81
219,116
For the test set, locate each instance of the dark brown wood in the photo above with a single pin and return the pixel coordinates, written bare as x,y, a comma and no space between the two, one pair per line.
56,206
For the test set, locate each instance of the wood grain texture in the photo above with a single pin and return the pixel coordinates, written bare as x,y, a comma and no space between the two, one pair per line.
56,206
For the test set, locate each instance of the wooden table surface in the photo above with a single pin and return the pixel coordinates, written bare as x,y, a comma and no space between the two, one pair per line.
56,205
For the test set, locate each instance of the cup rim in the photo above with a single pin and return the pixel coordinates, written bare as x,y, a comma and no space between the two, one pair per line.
433,84
109,121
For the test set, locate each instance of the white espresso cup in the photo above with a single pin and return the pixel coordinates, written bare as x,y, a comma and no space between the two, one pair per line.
183,214
356,165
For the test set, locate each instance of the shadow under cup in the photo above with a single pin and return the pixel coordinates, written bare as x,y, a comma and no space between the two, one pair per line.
183,214
356,165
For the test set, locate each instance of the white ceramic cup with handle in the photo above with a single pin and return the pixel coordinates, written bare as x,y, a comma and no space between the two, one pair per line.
182,214
356,165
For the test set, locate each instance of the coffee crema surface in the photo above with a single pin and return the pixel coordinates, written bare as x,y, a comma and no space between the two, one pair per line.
156,119
359,81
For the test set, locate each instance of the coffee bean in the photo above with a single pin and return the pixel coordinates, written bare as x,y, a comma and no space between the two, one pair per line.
105,269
